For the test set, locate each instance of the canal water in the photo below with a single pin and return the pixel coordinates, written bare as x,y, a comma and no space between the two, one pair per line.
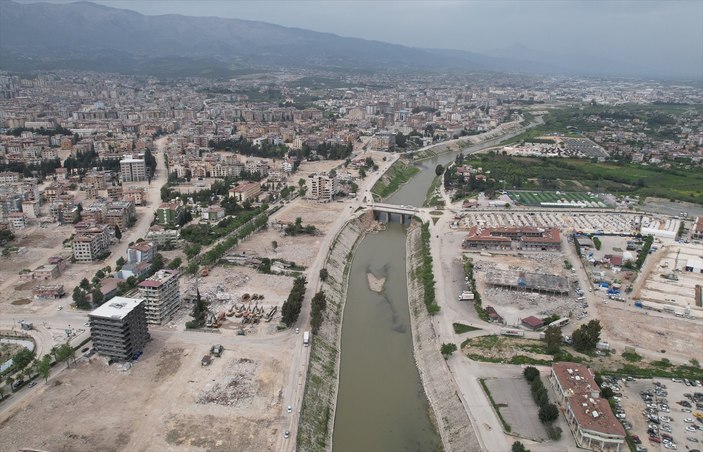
381,405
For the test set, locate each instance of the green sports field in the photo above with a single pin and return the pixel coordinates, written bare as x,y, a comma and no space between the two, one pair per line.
536,198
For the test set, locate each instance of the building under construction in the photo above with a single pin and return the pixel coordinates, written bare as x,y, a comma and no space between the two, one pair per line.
528,282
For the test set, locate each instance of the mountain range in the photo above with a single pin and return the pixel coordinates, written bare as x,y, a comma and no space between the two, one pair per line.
90,36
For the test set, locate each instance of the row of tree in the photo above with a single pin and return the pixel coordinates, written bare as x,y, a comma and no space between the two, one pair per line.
25,365
319,304
548,412
294,303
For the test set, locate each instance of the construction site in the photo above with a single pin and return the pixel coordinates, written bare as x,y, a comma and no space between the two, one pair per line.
164,401
523,284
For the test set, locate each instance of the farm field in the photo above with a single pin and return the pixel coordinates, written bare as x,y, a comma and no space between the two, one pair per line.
568,199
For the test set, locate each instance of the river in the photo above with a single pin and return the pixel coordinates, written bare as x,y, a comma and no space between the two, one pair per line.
381,405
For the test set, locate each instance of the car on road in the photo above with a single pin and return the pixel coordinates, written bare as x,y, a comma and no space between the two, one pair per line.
59,308
297,330
692,439
32,384
688,420
690,428
286,434
290,409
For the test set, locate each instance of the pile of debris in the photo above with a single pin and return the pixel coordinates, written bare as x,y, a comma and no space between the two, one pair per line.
237,387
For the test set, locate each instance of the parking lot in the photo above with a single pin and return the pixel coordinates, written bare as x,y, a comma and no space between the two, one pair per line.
660,413
520,410
591,222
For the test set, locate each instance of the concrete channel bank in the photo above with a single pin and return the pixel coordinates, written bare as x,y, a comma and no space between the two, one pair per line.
452,422
320,397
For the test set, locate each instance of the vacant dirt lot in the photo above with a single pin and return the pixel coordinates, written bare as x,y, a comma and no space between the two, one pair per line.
166,401
301,249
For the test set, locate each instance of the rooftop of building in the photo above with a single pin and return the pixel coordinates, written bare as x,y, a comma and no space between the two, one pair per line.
158,278
116,308
591,411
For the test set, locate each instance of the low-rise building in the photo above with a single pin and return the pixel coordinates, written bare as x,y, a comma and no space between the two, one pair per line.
140,252
162,296
245,192
589,416
118,328
169,214
163,237
697,230
525,238
48,291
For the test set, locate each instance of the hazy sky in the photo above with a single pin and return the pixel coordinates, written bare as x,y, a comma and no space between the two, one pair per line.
645,34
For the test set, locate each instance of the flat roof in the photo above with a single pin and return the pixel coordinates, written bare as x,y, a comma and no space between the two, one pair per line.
117,308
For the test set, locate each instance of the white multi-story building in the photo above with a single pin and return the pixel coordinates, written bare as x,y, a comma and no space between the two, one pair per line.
162,296
132,170
321,187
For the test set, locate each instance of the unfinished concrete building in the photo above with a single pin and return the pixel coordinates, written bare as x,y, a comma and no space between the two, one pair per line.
118,328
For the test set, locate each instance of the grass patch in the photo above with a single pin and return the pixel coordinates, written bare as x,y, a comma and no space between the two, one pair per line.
496,407
460,328
432,199
631,357
398,174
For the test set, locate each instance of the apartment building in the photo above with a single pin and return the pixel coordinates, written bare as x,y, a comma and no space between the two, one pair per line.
118,328
321,187
162,296
90,242
132,170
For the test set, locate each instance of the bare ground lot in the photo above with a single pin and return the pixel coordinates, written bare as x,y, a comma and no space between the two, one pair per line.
662,291
301,249
166,401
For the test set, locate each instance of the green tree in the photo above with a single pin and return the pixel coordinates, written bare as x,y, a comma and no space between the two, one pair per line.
553,338
192,267
175,263
64,353
6,236
265,265
100,274
97,297
607,393
2,393
519,447
192,250
157,263
531,373
319,304
274,244
10,381
587,336
448,349
548,413
439,169
44,367
294,303
324,274
199,313
22,358
362,173
120,262
85,284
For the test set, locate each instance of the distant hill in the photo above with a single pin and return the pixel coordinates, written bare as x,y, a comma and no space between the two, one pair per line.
88,36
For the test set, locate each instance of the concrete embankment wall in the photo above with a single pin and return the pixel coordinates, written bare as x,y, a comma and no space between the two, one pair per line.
319,401
452,421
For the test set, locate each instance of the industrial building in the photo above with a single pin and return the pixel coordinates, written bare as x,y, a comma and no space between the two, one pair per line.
530,282
589,416
524,238
162,296
118,328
